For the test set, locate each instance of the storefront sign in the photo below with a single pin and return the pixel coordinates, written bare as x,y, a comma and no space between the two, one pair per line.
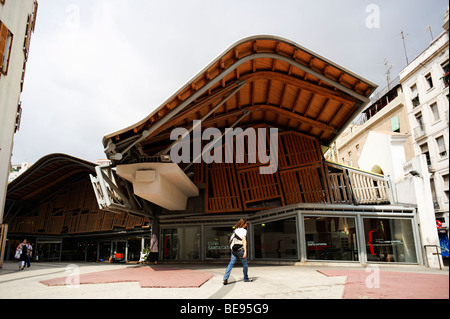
215,245
317,246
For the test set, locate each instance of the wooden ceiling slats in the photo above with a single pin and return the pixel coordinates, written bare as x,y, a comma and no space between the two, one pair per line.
300,178
270,81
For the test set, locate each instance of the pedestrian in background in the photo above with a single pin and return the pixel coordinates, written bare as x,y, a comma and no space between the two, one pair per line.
22,249
29,254
238,245
154,252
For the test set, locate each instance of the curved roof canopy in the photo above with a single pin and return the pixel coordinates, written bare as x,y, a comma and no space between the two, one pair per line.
261,79
48,175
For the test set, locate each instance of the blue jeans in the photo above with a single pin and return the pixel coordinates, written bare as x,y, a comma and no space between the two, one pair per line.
234,256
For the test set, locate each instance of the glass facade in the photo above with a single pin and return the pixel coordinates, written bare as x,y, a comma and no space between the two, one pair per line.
389,240
180,243
331,238
217,246
276,240
300,236
304,236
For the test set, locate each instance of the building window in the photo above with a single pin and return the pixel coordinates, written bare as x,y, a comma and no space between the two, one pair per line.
395,124
433,193
180,243
331,238
445,67
5,47
419,131
445,178
217,243
419,120
277,239
350,160
424,150
414,95
429,80
389,240
441,146
445,77
358,151
435,111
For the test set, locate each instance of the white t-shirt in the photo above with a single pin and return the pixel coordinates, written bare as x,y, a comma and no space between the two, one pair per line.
241,232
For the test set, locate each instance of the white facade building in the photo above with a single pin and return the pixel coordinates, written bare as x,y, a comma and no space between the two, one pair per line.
17,21
403,135
17,170
425,85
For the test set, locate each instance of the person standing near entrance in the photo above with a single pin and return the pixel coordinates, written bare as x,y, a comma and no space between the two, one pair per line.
29,254
22,249
154,249
238,247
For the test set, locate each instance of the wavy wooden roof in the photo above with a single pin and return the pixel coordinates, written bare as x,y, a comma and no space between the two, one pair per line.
261,79
47,175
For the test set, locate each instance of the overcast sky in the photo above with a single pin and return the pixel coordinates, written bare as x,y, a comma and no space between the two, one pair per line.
97,66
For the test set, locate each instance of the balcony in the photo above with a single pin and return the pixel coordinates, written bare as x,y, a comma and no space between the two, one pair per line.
352,186
419,132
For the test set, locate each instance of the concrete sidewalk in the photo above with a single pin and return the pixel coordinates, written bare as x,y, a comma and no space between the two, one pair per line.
270,282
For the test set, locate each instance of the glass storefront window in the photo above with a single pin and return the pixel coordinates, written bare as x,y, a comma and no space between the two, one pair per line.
217,246
134,248
389,240
331,238
181,243
276,239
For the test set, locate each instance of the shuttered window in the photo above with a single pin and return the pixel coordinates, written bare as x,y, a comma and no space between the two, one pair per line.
5,47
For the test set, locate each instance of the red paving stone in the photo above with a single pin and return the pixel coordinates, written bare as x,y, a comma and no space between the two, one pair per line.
148,277
392,285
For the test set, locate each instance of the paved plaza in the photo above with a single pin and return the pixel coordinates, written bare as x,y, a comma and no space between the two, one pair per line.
61,280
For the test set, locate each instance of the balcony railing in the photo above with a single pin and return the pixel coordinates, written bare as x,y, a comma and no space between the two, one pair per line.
419,132
352,186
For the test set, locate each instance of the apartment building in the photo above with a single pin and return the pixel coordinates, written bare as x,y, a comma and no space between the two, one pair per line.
403,135
18,169
17,23
425,83
386,115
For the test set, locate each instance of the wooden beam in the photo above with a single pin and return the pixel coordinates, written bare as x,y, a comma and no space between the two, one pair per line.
196,107
316,89
253,109
56,181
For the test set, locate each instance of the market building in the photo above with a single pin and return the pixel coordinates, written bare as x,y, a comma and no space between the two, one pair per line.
243,139
53,205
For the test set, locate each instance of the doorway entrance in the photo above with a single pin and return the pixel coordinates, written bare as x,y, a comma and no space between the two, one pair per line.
180,243
48,250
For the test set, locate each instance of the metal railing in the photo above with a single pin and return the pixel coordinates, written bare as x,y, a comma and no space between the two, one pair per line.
419,132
